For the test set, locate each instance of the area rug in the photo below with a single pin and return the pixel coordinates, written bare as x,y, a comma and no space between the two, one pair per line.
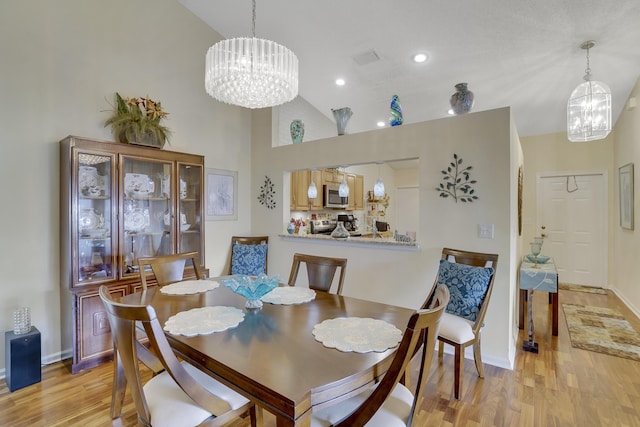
602,330
581,288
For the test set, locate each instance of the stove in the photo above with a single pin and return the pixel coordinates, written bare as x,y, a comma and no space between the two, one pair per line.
323,226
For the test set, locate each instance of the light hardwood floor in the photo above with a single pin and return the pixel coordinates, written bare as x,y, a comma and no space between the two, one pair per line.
560,386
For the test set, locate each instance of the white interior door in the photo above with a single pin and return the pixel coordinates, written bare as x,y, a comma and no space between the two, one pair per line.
573,210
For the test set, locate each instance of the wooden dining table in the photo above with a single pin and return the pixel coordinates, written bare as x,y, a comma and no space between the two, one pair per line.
272,357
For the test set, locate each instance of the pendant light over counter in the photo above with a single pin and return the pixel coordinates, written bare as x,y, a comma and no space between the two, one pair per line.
343,190
251,72
589,107
378,187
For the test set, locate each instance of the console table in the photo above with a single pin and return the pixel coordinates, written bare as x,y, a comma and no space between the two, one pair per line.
543,278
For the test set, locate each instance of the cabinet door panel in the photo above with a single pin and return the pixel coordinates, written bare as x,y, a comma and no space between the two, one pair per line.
148,212
94,333
93,236
190,208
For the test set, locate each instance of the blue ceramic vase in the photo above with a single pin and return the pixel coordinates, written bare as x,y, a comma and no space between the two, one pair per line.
396,111
461,101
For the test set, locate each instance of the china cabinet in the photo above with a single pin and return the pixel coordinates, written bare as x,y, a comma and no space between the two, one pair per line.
119,202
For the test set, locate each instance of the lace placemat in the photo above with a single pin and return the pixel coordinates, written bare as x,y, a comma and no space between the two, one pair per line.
204,321
360,335
286,295
187,287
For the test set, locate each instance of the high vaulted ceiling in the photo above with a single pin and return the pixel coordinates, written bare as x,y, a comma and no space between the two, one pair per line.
523,54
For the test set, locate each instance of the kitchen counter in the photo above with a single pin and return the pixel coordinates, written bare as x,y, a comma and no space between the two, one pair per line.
366,240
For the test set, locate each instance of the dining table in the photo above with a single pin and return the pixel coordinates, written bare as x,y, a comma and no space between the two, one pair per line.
272,356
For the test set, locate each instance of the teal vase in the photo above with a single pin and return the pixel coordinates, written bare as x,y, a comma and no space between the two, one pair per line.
297,131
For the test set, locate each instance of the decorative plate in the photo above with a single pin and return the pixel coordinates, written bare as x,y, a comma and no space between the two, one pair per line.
204,321
137,184
136,220
89,219
166,186
360,335
87,176
286,295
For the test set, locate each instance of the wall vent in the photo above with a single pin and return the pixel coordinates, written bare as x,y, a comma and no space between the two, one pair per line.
367,57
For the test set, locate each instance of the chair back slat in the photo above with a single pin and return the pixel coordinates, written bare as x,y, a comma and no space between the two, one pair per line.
168,269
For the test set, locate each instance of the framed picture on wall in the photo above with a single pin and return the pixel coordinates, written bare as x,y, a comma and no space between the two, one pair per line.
221,188
625,177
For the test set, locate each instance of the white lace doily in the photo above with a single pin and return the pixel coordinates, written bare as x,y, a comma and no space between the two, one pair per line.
286,295
360,335
187,287
204,321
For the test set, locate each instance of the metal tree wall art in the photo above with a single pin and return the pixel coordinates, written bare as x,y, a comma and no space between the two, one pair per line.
267,194
457,182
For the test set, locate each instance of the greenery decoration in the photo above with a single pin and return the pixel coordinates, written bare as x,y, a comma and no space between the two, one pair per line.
267,194
138,121
457,182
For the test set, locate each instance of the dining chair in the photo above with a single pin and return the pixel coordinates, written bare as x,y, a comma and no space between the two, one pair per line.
169,268
248,255
320,271
469,276
182,395
389,403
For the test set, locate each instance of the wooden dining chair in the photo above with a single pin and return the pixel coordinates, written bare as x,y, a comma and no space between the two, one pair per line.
168,269
469,277
248,255
182,395
320,271
390,403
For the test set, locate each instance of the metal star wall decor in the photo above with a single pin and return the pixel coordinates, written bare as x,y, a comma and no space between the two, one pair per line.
267,194
457,182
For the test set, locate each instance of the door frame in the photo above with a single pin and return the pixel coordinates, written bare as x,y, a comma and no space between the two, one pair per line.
605,207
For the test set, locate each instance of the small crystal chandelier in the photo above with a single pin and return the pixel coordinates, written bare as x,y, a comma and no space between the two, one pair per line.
378,187
589,107
251,72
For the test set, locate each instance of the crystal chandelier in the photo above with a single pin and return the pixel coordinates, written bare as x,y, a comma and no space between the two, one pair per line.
589,107
251,72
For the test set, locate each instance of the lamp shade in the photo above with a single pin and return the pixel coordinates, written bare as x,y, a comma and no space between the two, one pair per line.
589,112
251,73
312,191
378,188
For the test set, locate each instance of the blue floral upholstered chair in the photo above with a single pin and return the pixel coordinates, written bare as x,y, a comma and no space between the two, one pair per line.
469,276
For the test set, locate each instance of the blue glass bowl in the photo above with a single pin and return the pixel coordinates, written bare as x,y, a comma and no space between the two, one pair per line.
252,288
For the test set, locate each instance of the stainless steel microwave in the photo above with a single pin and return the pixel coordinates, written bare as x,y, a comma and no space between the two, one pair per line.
332,198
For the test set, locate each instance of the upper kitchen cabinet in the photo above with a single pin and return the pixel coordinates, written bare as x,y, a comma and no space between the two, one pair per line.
300,181
119,202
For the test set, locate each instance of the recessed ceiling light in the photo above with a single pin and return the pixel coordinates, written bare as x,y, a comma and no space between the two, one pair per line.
420,57
381,124
340,82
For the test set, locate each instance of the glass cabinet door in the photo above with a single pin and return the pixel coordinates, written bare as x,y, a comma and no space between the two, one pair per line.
147,211
190,208
94,218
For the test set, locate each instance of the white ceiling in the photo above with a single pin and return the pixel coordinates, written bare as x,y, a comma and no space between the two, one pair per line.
523,54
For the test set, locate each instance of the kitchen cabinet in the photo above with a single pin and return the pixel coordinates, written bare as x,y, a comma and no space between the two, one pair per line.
300,181
119,202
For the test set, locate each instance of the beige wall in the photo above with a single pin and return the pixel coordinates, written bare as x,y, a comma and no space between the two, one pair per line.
485,140
61,63
626,243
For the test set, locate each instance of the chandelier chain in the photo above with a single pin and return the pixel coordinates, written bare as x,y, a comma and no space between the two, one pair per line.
253,22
